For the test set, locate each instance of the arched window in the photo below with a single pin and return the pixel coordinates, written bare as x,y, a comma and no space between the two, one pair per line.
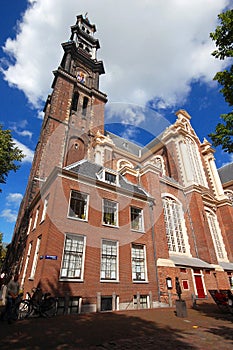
175,225
216,235
85,104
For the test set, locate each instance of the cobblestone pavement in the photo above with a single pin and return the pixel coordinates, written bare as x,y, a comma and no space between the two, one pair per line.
204,328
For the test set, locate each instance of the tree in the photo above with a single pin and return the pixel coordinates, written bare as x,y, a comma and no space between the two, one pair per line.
223,37
9,154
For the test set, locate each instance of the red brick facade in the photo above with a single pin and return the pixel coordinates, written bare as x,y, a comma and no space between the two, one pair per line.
171,216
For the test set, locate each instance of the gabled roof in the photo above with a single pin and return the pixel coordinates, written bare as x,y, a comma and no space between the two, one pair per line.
89,169
226,173
124,144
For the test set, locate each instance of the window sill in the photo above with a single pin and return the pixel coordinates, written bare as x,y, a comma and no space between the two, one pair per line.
77,219
109,225
66,279
141,282
135,230
109,281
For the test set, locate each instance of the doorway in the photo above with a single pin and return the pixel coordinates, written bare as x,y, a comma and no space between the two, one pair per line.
199,284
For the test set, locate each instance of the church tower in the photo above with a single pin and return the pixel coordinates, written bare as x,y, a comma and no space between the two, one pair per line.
75,109
73,113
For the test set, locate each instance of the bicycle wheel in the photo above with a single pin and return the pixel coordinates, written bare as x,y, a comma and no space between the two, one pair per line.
49,307
24,309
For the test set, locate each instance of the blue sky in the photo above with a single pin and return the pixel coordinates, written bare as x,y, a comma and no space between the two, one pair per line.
157,58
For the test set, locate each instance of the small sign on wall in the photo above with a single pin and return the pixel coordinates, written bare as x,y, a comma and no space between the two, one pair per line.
51,257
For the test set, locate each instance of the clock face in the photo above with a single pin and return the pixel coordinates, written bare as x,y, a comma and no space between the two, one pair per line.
81,77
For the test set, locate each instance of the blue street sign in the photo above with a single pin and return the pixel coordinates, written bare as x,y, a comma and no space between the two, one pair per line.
51,257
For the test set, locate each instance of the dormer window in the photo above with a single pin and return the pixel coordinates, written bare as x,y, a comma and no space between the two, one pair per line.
108,176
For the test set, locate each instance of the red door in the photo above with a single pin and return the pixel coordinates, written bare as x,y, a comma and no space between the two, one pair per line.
199,286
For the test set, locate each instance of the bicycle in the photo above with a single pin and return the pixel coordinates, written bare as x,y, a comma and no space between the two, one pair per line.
38,304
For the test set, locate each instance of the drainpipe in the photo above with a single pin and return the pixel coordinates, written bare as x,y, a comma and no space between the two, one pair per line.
151,206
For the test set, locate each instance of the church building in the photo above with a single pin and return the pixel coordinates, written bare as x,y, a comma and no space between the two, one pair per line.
107,224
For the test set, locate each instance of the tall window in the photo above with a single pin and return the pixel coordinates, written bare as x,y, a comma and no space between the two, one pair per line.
109,260
85,104
138,262
75,98
110,216
216,235
175,231
45,208
136,217
29,225
73,257
36,256
192,162
78,205
26,263
36,218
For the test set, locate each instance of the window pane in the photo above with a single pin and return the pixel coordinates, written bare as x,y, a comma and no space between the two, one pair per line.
109,260
173,221
138,263
110,212
73,257
78,205
136,219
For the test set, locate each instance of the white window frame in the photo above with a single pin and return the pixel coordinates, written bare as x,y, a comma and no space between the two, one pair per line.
26,263
73,257
182,283
83,216
138,301
35,259
36,218
176,232
107,215
45,208
29,225
102,176
139,267
216,235
140,222
108,257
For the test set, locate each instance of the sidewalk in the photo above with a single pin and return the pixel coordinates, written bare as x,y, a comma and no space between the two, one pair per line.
204,328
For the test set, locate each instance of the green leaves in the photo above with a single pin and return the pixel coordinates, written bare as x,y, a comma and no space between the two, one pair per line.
9,154
223,37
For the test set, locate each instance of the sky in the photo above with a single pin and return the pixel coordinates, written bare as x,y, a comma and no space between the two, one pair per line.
157,59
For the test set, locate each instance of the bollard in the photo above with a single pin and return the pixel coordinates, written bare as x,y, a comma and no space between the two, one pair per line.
181,309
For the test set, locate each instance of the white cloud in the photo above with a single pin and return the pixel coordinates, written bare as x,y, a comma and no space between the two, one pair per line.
153,49
26,151
9,215
17,126
14,198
